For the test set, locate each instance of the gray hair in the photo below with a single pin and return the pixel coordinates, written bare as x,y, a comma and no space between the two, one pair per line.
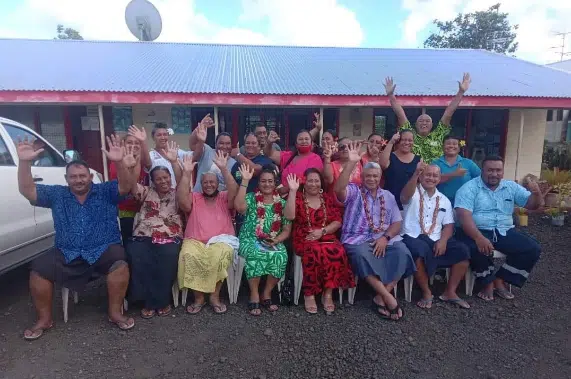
208,173
372,165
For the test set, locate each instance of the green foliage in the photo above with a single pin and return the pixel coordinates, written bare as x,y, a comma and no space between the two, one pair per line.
67,33
488,30
555,177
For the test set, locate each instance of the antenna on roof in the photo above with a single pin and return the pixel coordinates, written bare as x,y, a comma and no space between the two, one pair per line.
143,20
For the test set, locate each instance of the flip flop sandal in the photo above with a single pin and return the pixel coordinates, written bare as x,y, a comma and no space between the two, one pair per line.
312,310
165,311
489,295
426,302
124,325
329,309
457,302
253,306
36,333
393,312
194,308
268,305
147,313
504,293
219,309
378,307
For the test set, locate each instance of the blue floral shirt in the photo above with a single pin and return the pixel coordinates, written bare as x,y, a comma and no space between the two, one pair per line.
83,230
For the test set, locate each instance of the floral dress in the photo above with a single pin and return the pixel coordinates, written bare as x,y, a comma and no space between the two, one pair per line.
261,260
325,263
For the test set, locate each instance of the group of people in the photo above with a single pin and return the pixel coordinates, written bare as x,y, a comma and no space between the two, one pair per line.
373,210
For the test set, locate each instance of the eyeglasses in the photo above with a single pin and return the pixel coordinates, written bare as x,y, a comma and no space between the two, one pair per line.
342,147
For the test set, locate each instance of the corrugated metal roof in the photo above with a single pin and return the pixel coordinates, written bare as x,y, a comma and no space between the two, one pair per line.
563,65
56,65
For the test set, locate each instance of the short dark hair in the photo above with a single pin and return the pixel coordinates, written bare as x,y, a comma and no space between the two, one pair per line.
158,168
374,134
313,170
157,126
332,132
250,135
222,134
260,126
80,163
492,158
270,169
451,136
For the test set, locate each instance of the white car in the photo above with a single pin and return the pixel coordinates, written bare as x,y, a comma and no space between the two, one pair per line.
27,231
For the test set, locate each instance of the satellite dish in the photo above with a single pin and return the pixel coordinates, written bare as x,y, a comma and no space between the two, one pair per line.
143,20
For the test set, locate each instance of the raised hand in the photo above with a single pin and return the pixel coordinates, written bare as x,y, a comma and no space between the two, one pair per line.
389,86
374,149
246,172
420,167
201,133
354,149
460,171
395,138
273,137
171,152
188,164
317,122
327,151
465,83
207,121
292,182
129,160
140,134
26,151
221,159
115,152
235,151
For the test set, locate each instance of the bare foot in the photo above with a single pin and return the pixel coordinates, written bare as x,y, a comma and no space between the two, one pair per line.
310,305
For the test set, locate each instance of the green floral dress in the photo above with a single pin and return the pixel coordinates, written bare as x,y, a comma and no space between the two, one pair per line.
261,261
428,147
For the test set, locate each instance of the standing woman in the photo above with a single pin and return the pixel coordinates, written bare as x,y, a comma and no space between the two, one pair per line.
399,166
161,134
262,235
317,217
136,141
294,162
333,168
153,252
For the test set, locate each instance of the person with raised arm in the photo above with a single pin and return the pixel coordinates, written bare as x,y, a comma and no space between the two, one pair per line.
161,135
87,236
485,207
427,142
370,233
428,232
332,169
209,240
205,155
263,233
251,157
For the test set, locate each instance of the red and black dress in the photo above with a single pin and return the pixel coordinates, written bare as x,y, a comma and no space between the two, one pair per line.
325,263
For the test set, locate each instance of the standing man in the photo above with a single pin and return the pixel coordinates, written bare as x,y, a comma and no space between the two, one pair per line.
485,208
261,134
428,230
427,142
87,237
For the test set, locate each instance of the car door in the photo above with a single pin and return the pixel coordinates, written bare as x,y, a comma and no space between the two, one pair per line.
17,224
48,169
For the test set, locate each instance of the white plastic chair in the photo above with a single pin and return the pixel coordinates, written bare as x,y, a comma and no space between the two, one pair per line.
65,302
471,278
407,290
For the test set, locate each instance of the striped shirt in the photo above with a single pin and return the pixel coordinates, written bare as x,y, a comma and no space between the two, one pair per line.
355,226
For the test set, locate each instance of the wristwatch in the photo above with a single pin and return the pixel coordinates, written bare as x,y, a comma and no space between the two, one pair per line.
387,237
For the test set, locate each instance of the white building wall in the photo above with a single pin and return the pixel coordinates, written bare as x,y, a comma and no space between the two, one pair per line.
355,123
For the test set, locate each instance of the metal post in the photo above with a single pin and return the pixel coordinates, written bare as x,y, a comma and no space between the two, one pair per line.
216,125
519,144
322,126
102,136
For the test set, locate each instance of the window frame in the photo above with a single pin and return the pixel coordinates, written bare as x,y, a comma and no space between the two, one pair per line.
57,159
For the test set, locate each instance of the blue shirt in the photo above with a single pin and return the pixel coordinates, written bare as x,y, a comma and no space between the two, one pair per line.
253,183
450,187
491,209
83,230
206,164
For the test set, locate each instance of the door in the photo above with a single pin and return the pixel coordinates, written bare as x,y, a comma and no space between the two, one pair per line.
48,169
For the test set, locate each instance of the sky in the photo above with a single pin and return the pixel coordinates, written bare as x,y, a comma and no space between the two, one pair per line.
347,23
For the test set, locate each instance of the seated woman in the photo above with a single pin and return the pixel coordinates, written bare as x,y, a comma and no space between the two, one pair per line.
209,239
153,251
296,161
317,218
262,235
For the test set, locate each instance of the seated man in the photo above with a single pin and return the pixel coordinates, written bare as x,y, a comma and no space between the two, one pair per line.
485,208
427,232
370,233
209,239
87,237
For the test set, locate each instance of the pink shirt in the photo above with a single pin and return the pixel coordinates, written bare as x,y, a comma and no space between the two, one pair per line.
207,220
298,166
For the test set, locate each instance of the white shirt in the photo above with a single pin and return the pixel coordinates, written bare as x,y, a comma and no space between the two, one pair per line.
411,223
158,160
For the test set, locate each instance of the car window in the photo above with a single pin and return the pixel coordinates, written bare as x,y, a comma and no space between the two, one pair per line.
5,156
48,158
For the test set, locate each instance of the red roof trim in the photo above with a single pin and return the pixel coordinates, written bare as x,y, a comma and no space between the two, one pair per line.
272,100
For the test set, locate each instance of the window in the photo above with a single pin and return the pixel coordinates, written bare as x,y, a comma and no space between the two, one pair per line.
549,115
559,114
48,158
5,156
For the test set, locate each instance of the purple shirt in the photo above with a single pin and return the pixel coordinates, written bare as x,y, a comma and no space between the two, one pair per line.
355,226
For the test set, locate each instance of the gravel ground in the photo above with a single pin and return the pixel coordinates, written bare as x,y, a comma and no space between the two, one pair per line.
526,338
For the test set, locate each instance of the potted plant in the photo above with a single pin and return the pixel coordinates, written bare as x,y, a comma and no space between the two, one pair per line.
554,178
557,216
522,216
